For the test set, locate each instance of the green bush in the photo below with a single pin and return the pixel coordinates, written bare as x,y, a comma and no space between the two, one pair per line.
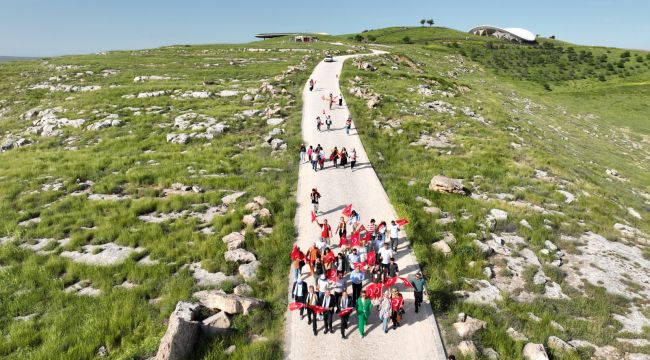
406,40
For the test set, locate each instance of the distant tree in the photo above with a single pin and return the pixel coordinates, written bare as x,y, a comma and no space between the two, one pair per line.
358,38
647,56
406,40
602,77
372,38
625,54
430,22
547,87
423,21
639,59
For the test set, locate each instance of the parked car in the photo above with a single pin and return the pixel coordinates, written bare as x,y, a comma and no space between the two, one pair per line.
329,58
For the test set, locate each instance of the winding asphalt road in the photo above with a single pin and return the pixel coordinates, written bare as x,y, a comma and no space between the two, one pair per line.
419,336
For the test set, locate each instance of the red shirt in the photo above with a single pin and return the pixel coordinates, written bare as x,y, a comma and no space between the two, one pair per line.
326,231
397,303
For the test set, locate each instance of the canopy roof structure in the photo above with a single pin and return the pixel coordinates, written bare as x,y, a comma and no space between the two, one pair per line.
511,34
274,35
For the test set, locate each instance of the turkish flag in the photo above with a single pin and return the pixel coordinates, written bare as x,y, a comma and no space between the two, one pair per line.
390,282
296,305
406,282
318,309
373,291
343,241
296,254
345,312
329,258
313,217
371,258
361,228
347,211
360,265
331,275
397,303
401,222
367,236
355,240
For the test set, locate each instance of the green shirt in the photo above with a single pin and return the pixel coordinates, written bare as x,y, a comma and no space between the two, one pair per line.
419,284
363,307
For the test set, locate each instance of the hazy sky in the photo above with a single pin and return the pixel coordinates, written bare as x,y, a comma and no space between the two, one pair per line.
55,27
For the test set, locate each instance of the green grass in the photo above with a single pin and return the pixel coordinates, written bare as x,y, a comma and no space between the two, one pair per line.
576,131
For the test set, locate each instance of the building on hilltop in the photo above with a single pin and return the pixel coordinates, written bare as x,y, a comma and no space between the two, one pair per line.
518,35
297,37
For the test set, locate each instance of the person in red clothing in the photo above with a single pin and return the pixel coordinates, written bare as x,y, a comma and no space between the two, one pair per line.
315,197
397,307
326,231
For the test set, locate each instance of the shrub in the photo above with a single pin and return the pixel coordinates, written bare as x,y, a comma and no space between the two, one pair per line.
547,87
406,40
372,38
625,54
358,38
602,77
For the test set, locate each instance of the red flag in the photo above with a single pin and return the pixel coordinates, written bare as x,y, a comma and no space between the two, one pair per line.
361,228
373,291
345,312
343,241
390,282
355,240
401,222
397,303
360,265
367,236
317,309
329,258
371,258
406,282
296,253
331,275
347,211
313,217
296,305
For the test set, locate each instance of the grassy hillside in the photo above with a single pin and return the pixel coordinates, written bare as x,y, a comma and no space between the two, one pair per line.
66,185
523,126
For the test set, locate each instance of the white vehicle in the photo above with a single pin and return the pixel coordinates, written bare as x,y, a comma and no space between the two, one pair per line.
329,58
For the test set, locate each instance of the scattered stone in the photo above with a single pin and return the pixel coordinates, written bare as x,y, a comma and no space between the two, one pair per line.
556,325
218,323
233,240
243,290
634,213
535,352
230,350
182,333
525,224
468,327
107,197
534,317
439,141
634,342
568,197
516,335
427,202
25,317
110,121
484,293
228,303
108,254
558,344
431,210
206,278
249,271
633,322
102,351
260,200
442,247
490,354
232,198
549,245
249,220
239,255
274,121
468,349
444,184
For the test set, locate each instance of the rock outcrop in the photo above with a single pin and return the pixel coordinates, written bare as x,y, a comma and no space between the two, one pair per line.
444,184
182,333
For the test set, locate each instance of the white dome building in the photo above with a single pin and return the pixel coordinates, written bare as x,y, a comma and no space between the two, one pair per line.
511,34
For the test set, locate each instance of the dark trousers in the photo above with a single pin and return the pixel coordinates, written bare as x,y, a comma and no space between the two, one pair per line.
311,316
313,164
344,324
335,160
356,292
328,318
396,317
418,299
352,164
393,243
301,299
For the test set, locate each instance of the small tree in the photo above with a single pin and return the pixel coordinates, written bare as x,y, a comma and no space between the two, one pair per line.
422,22
358,38
406,40
372,38
430,22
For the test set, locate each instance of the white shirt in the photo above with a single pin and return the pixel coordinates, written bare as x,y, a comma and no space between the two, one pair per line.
394,231
385,254
314,156
322,285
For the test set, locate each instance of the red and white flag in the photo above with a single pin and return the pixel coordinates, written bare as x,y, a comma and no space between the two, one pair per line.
373,291
371,258
347,211
313,217
401,222
296,305
345,312
331,275
318,309
390,282
406,282
355,240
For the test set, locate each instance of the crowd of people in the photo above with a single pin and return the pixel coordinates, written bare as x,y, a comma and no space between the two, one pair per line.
317,156
363,261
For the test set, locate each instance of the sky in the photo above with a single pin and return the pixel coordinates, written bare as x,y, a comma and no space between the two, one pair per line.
59,27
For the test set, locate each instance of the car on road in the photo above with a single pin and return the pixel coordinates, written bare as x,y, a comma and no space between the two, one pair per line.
329,58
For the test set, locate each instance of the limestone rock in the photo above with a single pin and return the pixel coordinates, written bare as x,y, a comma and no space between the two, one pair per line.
231,349
249,220
444,184
232,198
442,247
558,344
490,354
265,213
239,255
469,327
249,271
260,200
182,332
243,290
535,352
218,323
274,121
637,356
516,335
468,349
229,303
233,240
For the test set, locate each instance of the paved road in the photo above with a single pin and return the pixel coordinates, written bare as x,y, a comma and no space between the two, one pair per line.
418,337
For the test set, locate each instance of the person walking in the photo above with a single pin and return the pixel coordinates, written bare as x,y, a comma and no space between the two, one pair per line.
312,300
318,123
318,269
393,268
344,157
419,290
321,158
385,255
303,152
385,310
322,288
315,199
354,220
338,287
372,229
328,122
363,312
356,278
397,307
343,304
299,293
341,265
326,231
334,157
393,232
348,124
353,159
314,160
311,84
310,150
329,302
381,231
353,258
313,253
340,100
296,267
342,231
